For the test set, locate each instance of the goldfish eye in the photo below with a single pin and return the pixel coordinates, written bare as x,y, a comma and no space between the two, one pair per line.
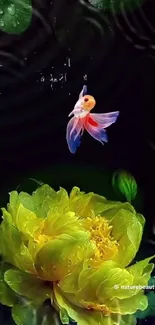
86,99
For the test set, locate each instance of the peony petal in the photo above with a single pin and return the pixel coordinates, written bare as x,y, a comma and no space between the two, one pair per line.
7,216
82,316
27,201
27,222
79,201
128,305
28,285
43,198
12,206
141,271
7,296
109,285
10,241
56,224
128,320
58,256
26,313
127,230
12,248
60,202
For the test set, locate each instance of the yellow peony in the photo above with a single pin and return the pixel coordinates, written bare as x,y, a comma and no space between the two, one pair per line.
75,250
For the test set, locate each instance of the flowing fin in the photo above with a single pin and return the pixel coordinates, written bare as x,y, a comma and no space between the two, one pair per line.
105,119
73,134
83,91
96,132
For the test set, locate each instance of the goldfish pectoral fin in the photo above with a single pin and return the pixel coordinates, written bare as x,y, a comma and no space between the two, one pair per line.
104,120
97,133
83,91
71,113
73,135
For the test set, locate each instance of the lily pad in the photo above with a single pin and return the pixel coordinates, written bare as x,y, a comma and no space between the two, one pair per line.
15,15
125,183
116,5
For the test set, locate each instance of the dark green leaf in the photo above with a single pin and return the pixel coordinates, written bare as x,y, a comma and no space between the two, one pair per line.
27,313
116,5
125,183
15,15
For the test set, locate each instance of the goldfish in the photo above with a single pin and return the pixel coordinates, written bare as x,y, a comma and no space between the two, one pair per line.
94,124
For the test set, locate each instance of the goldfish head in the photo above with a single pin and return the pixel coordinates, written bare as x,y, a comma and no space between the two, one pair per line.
88,102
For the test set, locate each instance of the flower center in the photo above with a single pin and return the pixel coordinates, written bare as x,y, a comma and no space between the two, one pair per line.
100,231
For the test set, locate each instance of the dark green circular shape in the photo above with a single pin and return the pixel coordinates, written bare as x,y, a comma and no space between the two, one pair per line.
15,15
116,5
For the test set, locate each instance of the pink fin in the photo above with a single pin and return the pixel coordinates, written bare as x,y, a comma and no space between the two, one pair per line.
73,134
104,119
83,91
97,132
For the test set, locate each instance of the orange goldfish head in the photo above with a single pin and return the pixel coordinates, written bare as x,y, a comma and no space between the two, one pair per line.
88,102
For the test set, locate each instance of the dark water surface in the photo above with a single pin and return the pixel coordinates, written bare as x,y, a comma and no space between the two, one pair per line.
66,46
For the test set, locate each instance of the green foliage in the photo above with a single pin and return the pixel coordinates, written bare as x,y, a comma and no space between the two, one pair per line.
15,15
116,5
125,183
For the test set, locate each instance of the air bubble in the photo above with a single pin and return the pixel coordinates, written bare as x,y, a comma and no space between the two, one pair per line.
2,23
12,9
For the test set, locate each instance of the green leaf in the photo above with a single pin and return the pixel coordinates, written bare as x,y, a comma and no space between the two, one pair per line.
125,183
152,282
15,15
27,313
116,5
7,296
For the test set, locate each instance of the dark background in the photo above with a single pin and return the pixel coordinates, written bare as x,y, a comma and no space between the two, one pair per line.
115,60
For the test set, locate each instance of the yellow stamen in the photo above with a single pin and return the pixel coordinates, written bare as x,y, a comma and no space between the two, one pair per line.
92,306
100,231
41,239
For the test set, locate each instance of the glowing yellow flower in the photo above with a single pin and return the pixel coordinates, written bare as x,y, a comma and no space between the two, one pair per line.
74,250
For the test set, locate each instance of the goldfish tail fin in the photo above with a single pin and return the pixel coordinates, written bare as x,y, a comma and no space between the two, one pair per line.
73,134
96,131
104,120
